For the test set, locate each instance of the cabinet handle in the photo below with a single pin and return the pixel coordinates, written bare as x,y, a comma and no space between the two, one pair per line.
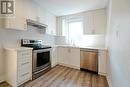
25,63
93,31
25,26
25,74
25,54
69,50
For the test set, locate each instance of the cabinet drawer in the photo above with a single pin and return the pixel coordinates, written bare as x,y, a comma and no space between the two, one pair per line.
24,71
24,56
24,77
24,53
24,65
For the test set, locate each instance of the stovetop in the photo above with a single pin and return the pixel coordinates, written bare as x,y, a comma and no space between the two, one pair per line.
37,47
35,44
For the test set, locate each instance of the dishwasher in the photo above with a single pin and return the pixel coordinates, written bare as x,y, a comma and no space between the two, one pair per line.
89,59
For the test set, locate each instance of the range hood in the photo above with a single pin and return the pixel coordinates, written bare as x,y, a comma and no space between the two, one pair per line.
36,24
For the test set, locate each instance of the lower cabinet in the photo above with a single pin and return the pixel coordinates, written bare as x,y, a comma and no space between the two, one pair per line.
18,67
74,57
102,62
54,56
69,56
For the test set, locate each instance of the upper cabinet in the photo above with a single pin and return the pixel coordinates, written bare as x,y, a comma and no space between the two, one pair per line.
95,22
88,27
18,21
28,9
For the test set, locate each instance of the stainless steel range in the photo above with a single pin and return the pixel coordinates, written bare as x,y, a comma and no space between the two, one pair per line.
41,56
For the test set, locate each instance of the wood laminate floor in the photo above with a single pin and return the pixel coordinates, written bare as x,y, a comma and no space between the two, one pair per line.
61,76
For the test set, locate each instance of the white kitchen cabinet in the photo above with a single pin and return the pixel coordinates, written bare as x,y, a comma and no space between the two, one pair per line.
18,21
63,55
18,66
99,22
95,22
88,23
102,62
74,57
54,59
69,56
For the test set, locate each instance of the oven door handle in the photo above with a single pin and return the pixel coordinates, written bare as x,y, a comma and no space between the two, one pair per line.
41,70
42,50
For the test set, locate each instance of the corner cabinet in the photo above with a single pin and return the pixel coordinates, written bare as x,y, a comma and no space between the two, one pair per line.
69,56
18,21
18,66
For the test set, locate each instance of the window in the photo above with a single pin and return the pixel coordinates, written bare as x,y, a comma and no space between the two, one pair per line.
73,30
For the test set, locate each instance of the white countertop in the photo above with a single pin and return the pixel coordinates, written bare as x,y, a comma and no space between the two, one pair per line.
17,48
87,47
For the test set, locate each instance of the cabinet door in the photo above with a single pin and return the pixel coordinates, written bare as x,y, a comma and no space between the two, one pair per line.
95,22
19,20
102,62
99,18
74,58
4,23
89,60
63,55
54,57
88,23
16,23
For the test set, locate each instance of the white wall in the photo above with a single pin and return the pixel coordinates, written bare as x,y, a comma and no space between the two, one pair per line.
10,38
119,43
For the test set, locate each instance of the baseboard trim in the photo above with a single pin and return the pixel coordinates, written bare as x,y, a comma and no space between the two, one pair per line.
69,66
2,79
54,65
109,81
102,74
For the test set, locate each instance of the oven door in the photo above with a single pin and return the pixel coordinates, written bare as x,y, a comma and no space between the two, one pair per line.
41,59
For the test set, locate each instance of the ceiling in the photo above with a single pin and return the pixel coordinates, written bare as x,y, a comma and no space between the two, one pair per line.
66,7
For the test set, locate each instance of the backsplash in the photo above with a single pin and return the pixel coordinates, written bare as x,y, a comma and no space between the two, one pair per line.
87,40
60,40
